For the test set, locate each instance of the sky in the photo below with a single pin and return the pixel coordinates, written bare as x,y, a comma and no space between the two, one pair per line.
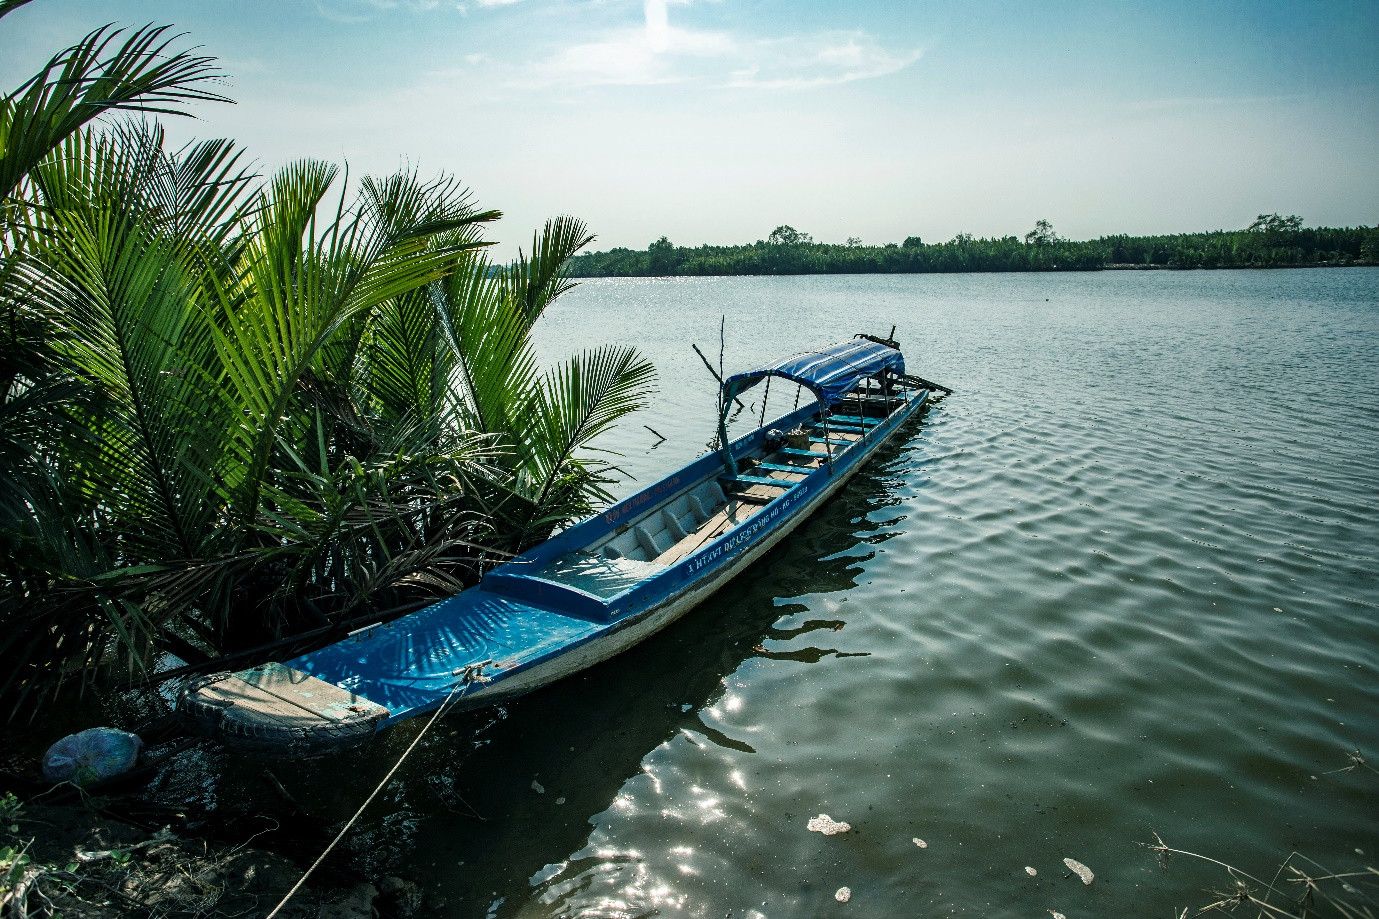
714,121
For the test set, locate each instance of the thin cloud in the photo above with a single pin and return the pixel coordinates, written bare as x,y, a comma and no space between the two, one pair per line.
659,52
636,57
822,59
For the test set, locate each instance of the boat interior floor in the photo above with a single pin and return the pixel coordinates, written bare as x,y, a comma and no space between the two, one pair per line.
698,515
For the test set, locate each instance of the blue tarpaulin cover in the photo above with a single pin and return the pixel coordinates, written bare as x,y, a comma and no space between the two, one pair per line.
830,372
411,664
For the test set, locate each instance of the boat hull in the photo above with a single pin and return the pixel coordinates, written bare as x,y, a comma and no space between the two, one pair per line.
585,595
638,627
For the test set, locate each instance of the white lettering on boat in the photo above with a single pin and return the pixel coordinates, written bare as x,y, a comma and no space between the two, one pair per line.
744,534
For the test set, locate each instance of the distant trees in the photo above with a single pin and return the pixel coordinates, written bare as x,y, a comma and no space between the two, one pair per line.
1041,235
786,235
661,257
1270,241
1273,223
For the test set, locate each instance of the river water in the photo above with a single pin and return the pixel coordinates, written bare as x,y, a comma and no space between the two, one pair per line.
1122,582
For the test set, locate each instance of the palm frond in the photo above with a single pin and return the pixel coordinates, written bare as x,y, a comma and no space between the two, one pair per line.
395,348
301,286
573,404
487,333
99,74
536,282
120,292
9,6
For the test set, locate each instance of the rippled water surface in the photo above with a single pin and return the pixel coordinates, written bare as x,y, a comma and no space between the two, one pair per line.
1121,582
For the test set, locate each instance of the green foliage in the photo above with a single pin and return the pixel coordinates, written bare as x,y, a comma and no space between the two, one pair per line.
97,75
661,257
233,411
13,863
1041,235
1272,241
10,809
786,235
1273,223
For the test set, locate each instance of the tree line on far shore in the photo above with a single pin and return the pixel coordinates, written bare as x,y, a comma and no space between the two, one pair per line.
1271,241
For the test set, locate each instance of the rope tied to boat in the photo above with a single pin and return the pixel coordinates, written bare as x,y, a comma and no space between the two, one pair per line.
469,676
473,673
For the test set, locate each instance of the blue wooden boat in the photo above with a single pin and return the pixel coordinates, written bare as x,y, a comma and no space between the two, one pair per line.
591,591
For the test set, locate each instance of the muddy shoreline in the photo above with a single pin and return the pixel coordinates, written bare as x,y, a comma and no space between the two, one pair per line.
116,851
80,859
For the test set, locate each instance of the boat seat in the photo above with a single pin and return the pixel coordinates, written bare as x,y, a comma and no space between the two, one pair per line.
792,451
854,421
696,507
759,480
611,551
778,467
673,527
648,542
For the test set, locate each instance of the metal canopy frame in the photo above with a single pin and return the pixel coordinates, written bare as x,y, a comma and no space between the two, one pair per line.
829,373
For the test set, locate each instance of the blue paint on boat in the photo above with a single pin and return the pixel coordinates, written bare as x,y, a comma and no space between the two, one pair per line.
830,372
580,594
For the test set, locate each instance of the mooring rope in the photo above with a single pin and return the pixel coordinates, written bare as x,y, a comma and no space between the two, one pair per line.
470,676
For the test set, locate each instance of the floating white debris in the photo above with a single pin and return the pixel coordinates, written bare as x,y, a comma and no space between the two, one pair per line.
827,825
537,787
1030,871
1079,869
1057,915
919,842
1277,610
843,895
560,800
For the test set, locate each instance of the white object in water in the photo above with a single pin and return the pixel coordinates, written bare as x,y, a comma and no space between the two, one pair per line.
843,895
1030,871
538,787
919,842
827,825
1079,869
